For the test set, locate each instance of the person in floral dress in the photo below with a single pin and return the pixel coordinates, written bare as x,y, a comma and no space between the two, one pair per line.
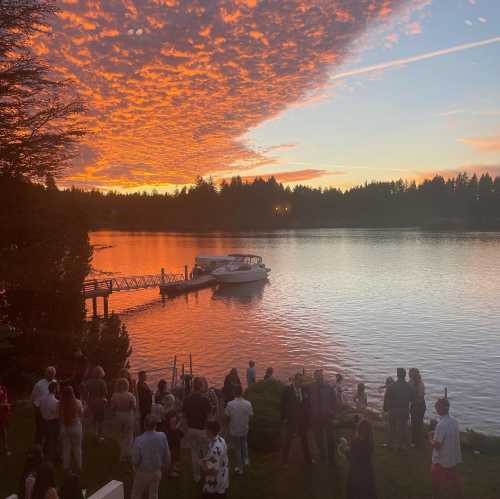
215,465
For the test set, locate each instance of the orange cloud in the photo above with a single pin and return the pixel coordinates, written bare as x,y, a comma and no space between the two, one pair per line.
173,86
483,144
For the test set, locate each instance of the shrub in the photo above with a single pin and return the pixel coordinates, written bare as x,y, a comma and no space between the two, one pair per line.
106,343
265,428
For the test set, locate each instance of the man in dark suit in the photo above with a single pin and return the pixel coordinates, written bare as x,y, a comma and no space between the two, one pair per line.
294,412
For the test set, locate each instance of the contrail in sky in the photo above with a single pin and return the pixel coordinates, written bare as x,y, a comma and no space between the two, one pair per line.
415,58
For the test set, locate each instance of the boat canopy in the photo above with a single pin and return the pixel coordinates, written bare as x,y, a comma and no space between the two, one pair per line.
247,258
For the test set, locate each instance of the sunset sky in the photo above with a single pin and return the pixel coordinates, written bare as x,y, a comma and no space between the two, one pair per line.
319,92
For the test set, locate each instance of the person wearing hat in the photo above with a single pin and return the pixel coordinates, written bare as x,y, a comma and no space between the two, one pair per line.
397,400
446,452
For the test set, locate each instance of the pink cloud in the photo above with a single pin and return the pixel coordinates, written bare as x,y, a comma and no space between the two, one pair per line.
483,144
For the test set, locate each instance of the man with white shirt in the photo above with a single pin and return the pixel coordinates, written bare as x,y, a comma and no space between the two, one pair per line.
41,390
446,452
239,412
49,408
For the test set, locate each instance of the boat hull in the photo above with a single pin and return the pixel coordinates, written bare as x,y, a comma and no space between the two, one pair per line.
241,276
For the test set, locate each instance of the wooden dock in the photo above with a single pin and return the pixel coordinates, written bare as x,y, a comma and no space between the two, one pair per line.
188,285
169,284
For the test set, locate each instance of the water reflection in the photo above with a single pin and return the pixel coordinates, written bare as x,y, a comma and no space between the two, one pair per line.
242,293
361,302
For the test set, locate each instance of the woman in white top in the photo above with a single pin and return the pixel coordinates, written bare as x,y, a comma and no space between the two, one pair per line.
124,405
70,417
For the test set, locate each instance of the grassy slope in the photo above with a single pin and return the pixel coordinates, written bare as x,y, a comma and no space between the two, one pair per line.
399,475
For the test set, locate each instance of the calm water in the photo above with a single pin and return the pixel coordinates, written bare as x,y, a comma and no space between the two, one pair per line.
360,302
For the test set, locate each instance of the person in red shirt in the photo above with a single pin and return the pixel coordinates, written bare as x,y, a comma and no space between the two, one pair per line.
4,420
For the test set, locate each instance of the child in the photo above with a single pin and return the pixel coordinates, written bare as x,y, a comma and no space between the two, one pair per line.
361,399
361,478
174,436
388,382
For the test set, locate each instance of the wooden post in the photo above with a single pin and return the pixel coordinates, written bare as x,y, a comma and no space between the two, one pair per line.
162,279
105,301
190,364
186,272
445,392
94,306
173,372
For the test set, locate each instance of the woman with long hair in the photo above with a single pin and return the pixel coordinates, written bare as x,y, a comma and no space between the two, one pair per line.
70,417
45,483
361,478
417,408
124,405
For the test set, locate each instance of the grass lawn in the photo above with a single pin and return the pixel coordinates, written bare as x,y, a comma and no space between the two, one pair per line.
403,475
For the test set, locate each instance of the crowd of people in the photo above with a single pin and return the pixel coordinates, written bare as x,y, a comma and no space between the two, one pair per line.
151,427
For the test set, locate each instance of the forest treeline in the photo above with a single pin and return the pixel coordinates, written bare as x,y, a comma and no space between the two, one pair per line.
460,202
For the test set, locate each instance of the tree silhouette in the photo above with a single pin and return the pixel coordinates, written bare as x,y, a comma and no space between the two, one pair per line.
38,114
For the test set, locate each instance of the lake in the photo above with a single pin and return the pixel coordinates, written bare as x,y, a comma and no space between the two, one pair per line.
359,302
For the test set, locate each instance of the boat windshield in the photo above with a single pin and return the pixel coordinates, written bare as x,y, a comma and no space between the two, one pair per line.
210,262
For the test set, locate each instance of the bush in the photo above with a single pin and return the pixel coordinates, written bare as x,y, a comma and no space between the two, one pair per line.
106,343
265,428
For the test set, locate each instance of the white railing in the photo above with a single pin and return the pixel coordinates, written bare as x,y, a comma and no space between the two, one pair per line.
112,490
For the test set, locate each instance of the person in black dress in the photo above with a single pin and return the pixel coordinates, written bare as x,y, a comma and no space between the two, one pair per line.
361,478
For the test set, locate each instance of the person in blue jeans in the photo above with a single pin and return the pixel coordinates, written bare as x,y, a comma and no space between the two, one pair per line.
239,412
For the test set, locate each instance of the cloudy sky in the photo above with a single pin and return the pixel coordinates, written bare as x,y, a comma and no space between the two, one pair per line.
320,92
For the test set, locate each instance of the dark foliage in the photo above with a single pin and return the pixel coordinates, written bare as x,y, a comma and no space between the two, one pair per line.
460,202
38,114
44,258
106,343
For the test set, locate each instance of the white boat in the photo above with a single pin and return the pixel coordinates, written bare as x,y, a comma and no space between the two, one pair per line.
244,268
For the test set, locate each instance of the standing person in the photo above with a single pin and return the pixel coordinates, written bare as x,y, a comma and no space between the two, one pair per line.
231,381
269,373
132,386
49,408
215,465
361,478
196,409
385,415
124,405
145,398
361,399
70,416
4,420
239,412
397,400
150,455
322,412
339,388
294,409
96,397
45,482
446,452
417,409
251,373
174,437
40,390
